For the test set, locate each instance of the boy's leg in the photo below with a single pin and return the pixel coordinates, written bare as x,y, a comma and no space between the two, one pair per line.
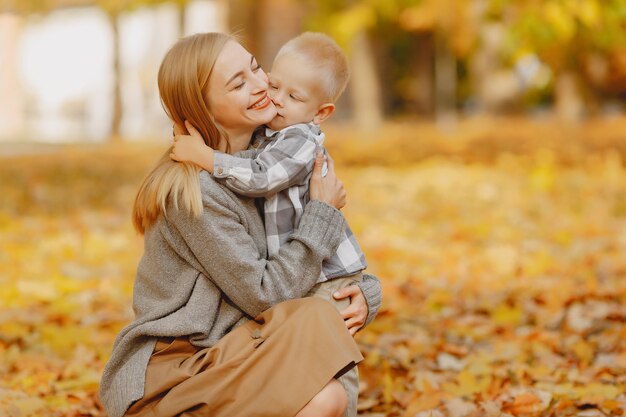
350,380
326,289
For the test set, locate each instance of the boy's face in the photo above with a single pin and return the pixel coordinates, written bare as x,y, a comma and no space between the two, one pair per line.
294,89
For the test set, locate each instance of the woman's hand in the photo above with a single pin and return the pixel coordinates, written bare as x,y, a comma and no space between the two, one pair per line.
356,313
328,189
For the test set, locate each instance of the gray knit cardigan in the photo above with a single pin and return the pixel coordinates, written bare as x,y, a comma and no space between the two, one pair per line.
202,276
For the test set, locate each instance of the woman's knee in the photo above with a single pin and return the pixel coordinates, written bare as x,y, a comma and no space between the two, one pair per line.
331,401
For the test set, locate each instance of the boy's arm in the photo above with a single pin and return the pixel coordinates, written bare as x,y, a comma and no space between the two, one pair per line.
247,154
283,165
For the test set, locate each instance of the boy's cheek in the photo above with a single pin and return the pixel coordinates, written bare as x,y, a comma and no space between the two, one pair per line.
276,123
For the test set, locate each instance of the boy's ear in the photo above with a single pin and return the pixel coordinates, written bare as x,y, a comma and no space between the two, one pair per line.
323,112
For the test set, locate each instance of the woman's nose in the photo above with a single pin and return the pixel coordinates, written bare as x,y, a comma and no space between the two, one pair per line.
260,82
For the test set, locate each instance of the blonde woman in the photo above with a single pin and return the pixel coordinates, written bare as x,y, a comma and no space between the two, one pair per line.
219,329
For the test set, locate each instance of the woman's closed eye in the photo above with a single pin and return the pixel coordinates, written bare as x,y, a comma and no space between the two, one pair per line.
255,68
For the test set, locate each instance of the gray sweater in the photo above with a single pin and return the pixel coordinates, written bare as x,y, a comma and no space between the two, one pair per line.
203,276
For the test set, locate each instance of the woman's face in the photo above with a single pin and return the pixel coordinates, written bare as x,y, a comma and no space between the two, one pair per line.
238,91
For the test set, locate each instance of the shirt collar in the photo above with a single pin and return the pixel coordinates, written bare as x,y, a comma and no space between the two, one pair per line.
269,132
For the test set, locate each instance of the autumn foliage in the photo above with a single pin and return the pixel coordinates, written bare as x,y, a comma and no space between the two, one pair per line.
500,247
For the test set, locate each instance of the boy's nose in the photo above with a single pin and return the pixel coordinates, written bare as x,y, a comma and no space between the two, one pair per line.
276,100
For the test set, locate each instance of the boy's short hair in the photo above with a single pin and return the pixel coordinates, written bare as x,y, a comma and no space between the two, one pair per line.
323,53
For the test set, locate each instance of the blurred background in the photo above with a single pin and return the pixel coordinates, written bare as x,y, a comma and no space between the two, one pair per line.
85,70
482,144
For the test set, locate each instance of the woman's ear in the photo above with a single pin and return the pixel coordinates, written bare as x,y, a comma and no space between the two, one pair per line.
323,112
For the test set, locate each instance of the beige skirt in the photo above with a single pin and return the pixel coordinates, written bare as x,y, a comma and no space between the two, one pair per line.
271,366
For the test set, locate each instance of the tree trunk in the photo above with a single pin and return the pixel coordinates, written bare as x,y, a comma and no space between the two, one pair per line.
181,18
280,20
365,87
568,101
11,99
485,63
116,120
243,20
265,25
424,75
445,85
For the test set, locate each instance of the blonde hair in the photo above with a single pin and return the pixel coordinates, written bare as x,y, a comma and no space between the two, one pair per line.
321,52
183,81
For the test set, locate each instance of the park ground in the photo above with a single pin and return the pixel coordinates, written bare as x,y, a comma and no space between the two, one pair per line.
500,244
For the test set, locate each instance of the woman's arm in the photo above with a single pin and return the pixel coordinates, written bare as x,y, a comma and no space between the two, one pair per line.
224,246
229,256
365,301
373,293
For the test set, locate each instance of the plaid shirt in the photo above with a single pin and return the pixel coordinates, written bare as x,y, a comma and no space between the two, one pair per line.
279,169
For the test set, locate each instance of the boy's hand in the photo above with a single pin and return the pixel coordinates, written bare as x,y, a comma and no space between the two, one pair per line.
187,147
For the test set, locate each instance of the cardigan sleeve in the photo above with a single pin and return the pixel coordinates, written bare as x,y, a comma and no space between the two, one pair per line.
226,253
370,285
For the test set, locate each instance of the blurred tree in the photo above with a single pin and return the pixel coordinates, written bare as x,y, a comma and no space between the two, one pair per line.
113,10
454,25
428,36
243,22
11,100
578,39
264,25
351,24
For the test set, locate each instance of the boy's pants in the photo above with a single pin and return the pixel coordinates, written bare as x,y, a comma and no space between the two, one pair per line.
325,290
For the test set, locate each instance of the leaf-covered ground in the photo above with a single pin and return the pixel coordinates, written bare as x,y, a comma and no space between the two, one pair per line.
502,251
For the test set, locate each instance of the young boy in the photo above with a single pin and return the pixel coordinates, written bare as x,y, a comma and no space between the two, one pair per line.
308,75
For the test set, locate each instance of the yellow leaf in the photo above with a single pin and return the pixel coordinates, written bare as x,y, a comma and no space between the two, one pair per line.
584,351
506,315
388,386
29,406
595,392
468,383
589,12
560,20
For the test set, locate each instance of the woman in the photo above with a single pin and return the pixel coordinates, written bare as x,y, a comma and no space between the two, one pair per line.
193,348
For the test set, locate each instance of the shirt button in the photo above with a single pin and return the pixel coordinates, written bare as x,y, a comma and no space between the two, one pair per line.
220,171
256,334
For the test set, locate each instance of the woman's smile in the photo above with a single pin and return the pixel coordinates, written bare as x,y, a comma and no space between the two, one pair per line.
261,103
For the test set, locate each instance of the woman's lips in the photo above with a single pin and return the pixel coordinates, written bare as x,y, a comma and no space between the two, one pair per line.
261,104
